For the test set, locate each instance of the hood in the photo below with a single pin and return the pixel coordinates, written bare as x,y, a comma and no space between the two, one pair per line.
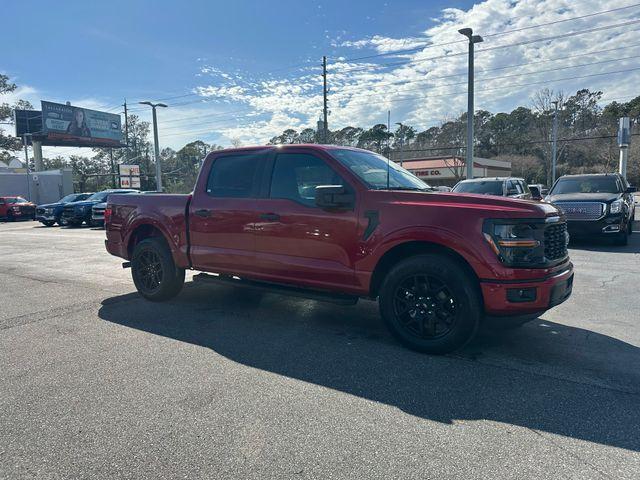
495,206
82,203
583,197
51,205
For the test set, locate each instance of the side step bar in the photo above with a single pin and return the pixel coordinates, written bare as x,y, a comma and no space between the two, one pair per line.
279,289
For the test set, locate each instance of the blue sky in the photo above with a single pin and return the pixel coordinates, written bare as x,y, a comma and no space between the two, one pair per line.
223,65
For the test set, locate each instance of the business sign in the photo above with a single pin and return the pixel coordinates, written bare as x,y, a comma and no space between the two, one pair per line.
80,127
129,182
129,170
27,121
624,132
129,176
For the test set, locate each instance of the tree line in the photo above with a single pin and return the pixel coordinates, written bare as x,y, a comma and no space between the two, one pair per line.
586,136
586,142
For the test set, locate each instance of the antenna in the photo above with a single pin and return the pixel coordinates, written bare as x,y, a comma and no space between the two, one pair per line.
389,152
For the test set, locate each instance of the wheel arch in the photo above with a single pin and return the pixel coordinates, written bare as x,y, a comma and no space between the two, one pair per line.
412,248
142,232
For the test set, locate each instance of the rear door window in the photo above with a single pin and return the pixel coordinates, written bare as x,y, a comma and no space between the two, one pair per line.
235,176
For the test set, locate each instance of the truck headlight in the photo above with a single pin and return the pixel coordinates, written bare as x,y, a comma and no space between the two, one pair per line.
615,207
515,243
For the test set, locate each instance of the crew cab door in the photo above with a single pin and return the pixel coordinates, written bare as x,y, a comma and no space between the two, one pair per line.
223,212
296,241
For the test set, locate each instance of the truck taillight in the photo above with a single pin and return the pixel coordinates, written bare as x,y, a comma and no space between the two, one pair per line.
107,216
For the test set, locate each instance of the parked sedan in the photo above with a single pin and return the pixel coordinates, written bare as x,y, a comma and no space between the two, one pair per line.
16,208
51,213
595,205
76,213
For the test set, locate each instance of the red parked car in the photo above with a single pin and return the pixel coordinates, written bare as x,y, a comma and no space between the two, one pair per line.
16,208
339,224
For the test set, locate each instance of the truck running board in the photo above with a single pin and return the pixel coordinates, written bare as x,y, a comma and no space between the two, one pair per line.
278,289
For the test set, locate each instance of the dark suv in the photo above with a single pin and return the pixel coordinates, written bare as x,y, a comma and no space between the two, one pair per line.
595,205
499,186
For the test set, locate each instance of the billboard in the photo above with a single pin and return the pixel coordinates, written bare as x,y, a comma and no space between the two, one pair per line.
79,127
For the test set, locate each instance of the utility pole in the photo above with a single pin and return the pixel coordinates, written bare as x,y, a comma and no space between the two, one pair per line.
26,158
401,141
126,127
113,170
325,113
473,39
155,141
389,131
624,138
554,143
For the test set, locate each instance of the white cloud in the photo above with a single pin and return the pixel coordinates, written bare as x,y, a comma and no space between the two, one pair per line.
426,85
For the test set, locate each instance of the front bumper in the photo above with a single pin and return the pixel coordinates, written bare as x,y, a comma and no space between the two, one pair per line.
524,297
590,228
77,217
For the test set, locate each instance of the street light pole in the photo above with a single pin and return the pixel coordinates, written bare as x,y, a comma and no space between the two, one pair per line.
473,39
554,143
155,143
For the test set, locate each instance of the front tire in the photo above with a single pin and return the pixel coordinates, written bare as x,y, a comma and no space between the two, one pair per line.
48,224
431,304
154,272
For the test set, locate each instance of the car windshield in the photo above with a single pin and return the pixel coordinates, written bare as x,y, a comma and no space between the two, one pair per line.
70,198
372,169
486,187
16,200
99,196
586,185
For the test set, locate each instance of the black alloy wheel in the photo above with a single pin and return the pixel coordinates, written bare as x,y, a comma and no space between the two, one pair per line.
431,303
425,306
154,272
150,272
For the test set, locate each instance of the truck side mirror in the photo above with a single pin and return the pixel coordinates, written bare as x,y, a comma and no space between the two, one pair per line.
631,189
334,196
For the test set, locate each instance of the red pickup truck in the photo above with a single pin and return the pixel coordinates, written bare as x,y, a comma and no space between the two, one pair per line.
339,224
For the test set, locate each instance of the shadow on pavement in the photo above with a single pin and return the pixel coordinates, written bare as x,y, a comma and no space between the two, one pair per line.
524,382
606,245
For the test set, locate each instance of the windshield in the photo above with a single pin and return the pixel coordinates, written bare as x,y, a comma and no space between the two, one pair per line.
372,169
16,200
74,197
487,187
586,185
99,196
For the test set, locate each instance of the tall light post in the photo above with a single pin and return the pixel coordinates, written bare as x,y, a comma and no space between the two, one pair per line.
473,39
155,143
554,143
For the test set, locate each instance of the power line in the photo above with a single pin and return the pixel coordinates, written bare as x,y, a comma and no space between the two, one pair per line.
504,32
406,82
497,47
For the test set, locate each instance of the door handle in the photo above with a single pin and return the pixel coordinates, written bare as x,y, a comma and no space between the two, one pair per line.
203,212
273,217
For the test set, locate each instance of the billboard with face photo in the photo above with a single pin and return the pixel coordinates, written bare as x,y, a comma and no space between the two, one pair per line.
76,126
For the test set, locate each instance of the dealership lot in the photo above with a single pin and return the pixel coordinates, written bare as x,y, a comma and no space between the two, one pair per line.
222,382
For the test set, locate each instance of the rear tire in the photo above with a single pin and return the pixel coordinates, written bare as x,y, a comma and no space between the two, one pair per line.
431,304
154,272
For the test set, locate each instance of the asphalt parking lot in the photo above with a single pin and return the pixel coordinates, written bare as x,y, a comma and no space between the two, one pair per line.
219,383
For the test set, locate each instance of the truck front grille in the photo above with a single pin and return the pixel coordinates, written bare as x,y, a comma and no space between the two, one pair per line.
581,210
555,241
